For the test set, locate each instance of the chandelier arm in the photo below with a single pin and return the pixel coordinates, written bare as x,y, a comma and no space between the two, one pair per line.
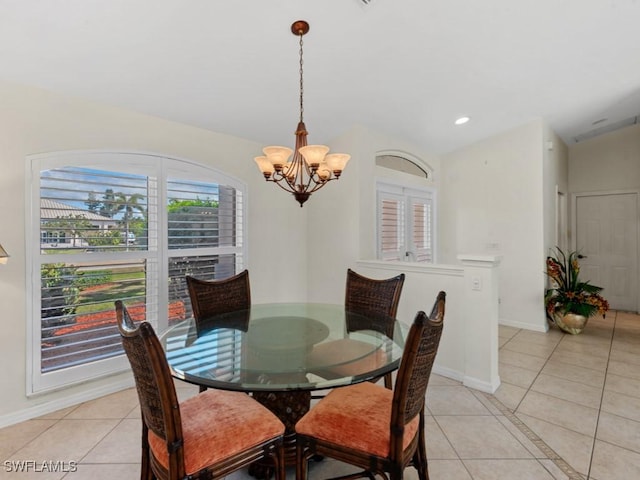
319,184
279,182
307,170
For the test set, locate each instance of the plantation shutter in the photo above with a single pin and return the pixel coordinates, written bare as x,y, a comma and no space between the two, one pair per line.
127,226
89,241
421,225
204,233
405,228
391,226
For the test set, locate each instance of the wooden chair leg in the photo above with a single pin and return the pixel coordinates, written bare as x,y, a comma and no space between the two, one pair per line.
301,464
281,472
146,473
388,381
420,457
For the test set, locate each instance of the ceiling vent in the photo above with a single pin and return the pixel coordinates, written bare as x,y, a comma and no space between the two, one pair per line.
607,128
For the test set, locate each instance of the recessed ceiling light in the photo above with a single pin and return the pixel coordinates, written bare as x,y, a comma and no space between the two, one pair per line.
462,120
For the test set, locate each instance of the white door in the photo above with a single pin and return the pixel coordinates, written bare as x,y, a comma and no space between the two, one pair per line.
607,238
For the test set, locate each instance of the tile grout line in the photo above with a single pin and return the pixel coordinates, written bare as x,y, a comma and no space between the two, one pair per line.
539,372
567,469
464,465
562,464
524,428
604,385
610,338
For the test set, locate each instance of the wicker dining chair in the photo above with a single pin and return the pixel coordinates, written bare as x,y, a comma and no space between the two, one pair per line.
375,301
365,295
369,295
207,436
214,297
372,427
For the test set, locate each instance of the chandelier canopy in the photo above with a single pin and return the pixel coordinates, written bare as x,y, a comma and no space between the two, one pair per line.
310,167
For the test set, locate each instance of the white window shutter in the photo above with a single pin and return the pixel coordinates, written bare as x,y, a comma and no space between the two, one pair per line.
421,226
391,226
406,223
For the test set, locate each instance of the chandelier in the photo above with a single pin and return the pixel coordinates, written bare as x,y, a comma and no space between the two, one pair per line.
311,168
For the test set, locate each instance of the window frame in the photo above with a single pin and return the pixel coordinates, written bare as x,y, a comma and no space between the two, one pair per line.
155,166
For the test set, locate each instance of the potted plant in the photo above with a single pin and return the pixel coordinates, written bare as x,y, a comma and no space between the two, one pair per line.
569,301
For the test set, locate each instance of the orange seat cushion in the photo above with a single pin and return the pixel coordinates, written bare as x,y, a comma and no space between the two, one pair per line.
217,424
356,417
346,357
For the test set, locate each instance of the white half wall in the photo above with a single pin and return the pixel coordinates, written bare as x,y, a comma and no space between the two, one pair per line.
468,349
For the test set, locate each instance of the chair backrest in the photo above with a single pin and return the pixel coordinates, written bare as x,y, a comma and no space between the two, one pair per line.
213,297
372,296
156,390
418,356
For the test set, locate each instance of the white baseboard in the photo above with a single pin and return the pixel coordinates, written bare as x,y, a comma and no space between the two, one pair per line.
471,382
448,373
487,387
525,326
64,402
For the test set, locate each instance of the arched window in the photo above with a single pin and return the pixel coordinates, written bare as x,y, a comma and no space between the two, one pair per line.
117,225
402,163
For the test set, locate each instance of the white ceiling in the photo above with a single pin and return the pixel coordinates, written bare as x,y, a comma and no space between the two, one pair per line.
404,67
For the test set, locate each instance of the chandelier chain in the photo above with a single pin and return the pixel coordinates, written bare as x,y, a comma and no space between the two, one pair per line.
301,82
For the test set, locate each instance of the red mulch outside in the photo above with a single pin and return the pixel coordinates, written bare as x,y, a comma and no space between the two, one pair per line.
108,317
95,288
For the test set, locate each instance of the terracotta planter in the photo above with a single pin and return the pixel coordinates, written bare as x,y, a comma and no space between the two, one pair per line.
570,322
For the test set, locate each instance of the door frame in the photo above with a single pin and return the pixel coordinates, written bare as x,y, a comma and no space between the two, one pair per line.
574,222
562,219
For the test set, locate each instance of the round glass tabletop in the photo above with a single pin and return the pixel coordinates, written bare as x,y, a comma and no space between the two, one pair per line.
284,346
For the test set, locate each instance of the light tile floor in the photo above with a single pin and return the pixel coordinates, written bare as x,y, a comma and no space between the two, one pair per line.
568,408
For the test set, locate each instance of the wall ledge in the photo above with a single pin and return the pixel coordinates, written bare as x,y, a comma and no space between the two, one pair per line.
478,260
419,267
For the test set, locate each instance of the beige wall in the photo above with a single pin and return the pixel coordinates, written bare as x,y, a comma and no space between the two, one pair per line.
556,180
491,201
35,121
342,227
326,236
607,162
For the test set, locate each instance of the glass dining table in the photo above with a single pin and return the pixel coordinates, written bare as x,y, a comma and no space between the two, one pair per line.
281,352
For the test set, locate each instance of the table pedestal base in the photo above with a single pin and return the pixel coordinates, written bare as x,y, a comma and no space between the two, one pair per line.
289,407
